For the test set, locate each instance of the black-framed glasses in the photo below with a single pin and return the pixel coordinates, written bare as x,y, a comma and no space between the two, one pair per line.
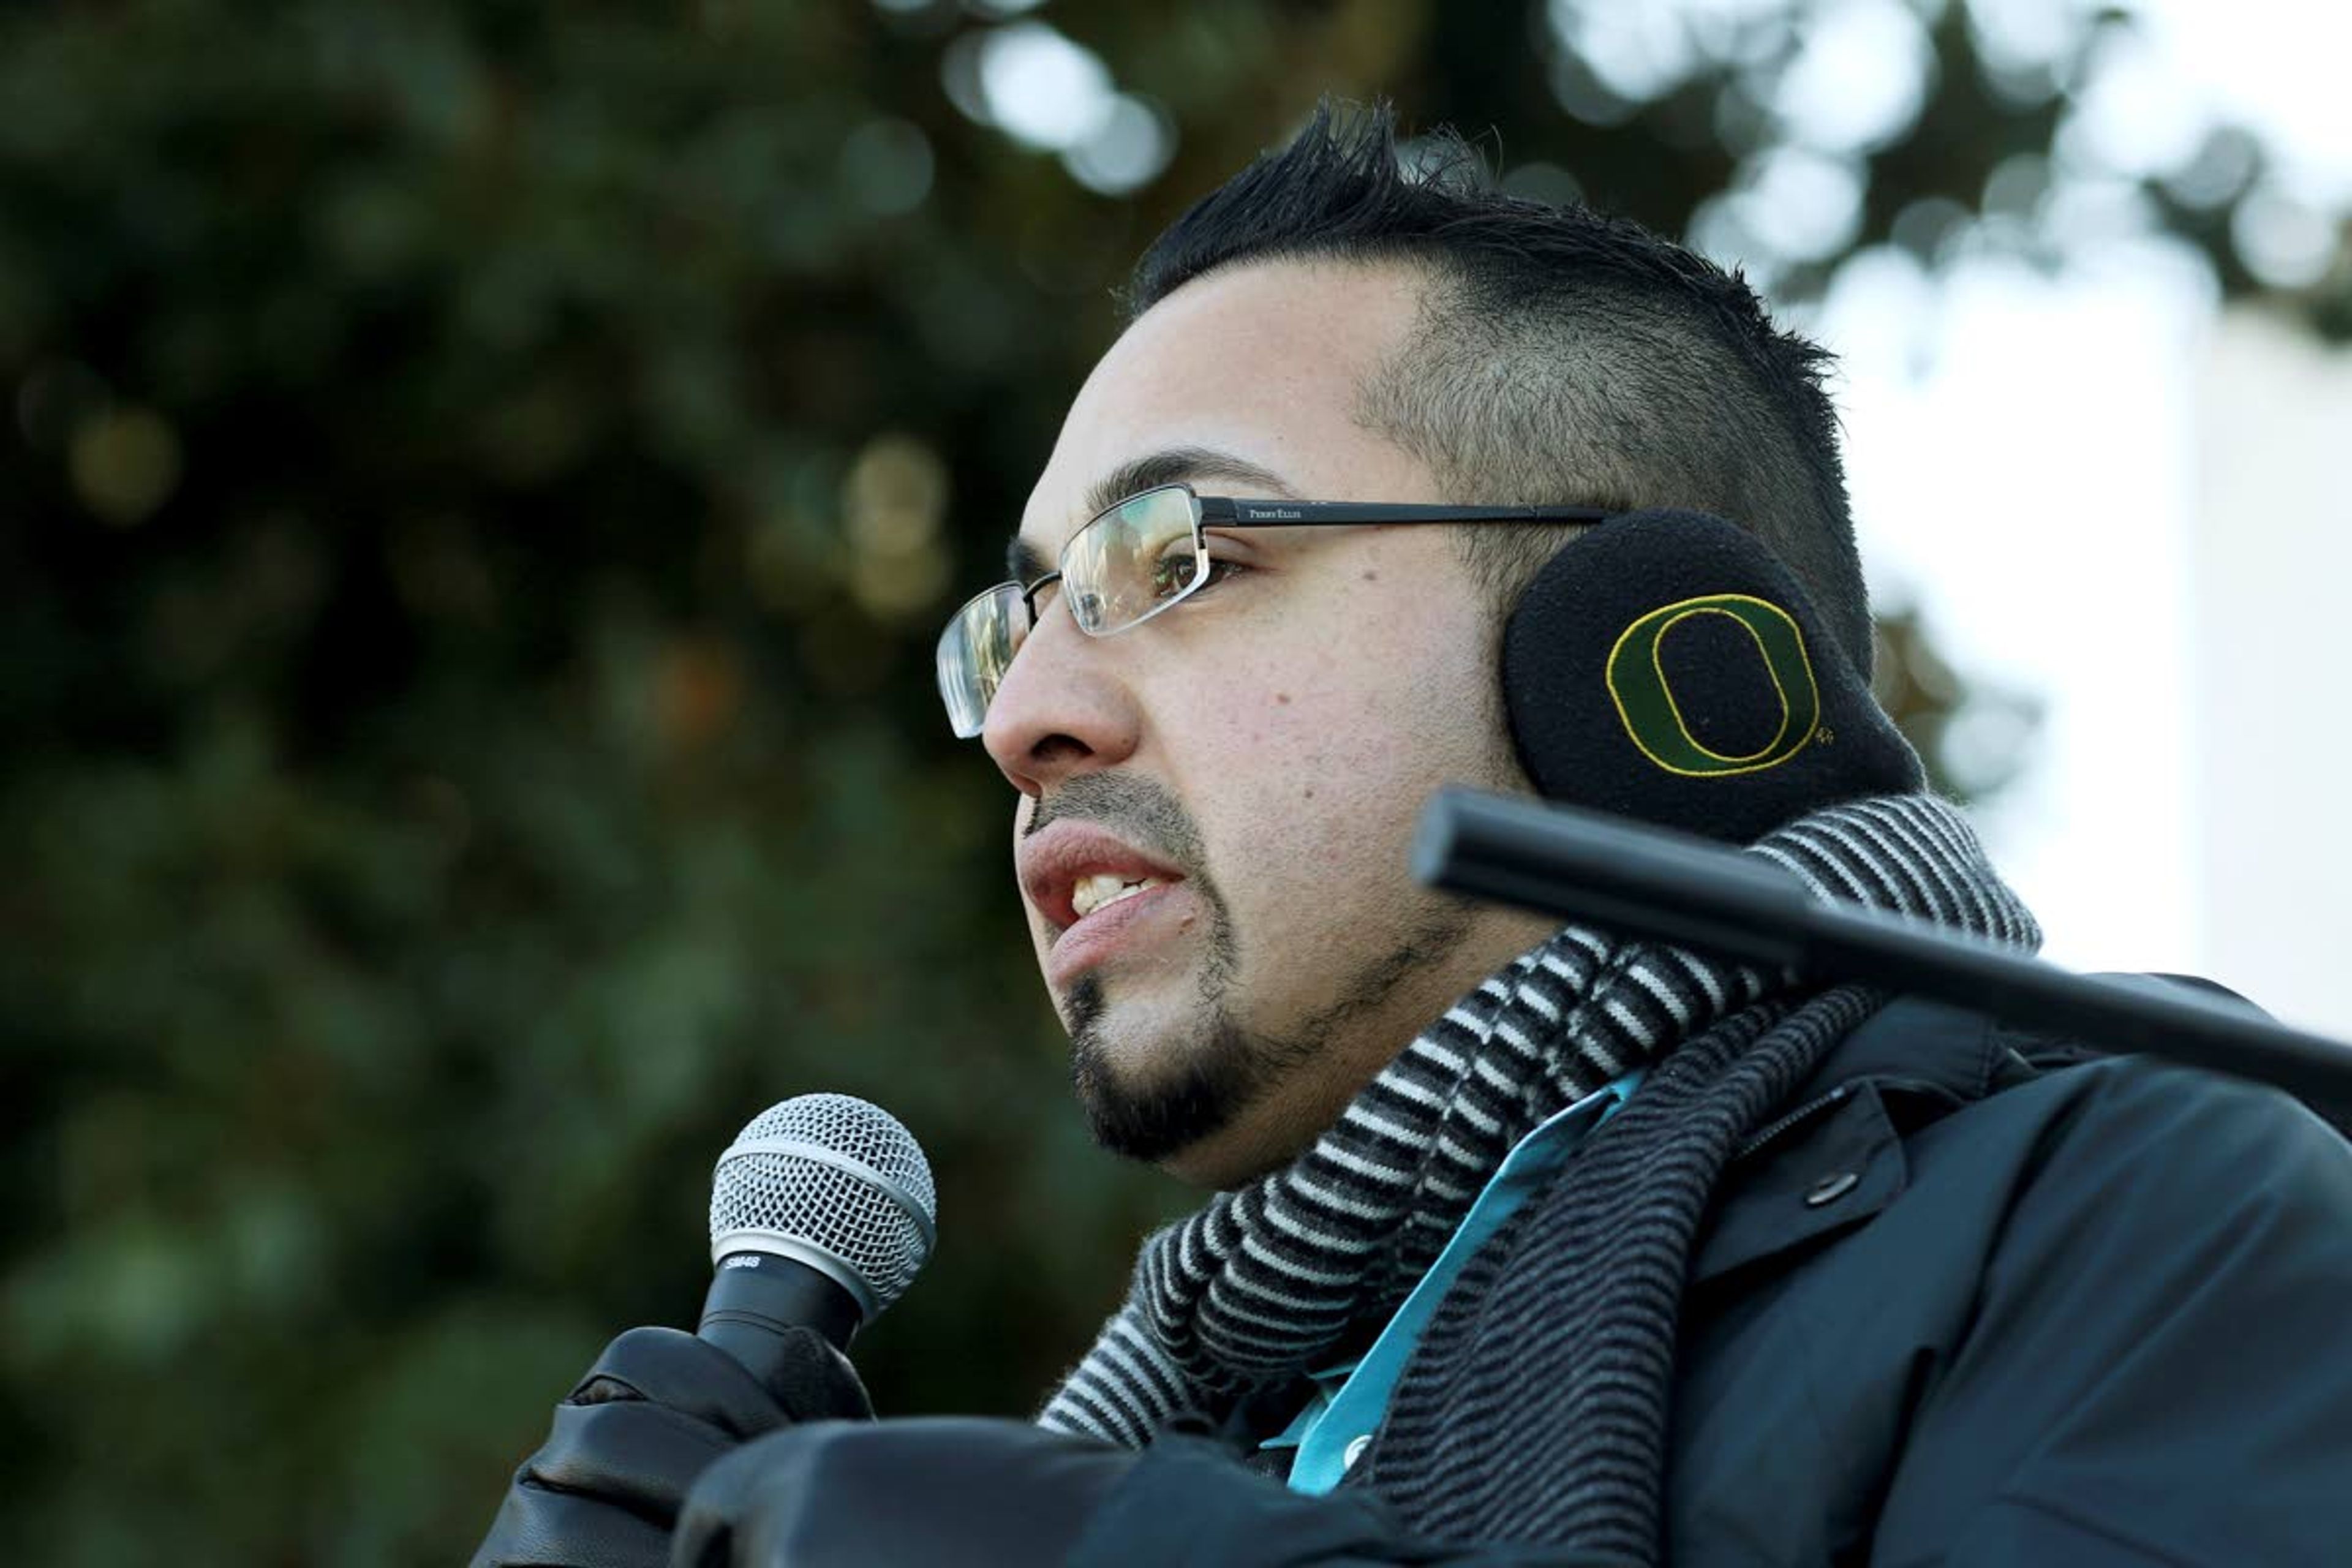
1142,555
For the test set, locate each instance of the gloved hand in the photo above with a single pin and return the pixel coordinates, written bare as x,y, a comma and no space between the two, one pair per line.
957,1492
657,1408
934,1492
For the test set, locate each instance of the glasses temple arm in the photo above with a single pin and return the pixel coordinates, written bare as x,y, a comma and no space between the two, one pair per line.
1224,512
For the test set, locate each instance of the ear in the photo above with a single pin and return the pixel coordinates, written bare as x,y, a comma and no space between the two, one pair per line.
1665,666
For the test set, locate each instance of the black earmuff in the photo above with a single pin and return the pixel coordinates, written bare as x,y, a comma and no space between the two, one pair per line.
1665,665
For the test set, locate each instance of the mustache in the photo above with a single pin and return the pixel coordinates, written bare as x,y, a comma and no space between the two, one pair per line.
1140,809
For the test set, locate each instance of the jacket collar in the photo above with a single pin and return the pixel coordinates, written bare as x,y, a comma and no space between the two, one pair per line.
1835,1158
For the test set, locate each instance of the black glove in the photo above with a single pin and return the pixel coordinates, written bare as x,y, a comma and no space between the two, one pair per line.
658,1407
965,1493
937,1492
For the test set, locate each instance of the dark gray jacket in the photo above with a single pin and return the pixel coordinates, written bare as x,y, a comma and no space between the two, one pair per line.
2095,1317
1972,1301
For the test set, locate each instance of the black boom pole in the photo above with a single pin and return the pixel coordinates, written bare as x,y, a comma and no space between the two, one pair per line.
1694,893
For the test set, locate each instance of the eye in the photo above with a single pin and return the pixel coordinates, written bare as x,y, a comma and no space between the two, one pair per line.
1219,570
1173,574
1170,572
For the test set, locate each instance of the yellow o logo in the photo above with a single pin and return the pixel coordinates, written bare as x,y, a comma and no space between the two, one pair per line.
1646,698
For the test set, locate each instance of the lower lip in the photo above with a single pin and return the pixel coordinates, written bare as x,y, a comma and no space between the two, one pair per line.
1103,934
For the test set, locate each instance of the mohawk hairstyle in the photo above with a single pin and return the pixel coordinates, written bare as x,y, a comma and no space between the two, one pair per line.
1561,356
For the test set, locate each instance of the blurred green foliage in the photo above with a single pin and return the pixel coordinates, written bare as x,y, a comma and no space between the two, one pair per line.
481,483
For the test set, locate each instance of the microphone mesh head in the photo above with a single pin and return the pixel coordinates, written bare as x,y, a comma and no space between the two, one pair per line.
835,1181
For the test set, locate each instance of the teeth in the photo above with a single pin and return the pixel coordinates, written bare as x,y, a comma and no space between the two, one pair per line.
1093,892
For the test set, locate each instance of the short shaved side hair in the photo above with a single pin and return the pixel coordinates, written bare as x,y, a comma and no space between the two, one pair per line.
1562,356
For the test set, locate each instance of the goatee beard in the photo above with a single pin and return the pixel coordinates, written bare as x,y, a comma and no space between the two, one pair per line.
1218,1079
1201,1086
1181,1091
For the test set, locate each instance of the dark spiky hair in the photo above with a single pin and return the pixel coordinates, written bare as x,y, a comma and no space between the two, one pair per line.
1562,355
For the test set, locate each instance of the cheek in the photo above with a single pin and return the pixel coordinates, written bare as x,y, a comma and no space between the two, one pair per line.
1397,691
1328,767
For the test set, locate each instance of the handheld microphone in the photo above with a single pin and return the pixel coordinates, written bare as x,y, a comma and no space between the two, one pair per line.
822,1212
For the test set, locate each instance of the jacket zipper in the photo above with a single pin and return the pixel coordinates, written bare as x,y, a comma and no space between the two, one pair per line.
1773,1129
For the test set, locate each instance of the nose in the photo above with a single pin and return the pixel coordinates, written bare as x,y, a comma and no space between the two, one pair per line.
1061,709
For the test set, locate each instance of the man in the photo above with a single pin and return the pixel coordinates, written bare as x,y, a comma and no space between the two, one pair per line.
1529,1245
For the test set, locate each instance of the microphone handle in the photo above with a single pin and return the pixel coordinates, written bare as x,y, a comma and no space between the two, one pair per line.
756,1298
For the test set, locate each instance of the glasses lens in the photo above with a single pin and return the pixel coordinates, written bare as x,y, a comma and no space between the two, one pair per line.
975,651
1139,557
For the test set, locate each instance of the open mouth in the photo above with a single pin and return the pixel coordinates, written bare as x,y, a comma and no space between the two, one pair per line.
1073,870
1097,897
1105,888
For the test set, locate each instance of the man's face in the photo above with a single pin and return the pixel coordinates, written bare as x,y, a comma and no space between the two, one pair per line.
1261,751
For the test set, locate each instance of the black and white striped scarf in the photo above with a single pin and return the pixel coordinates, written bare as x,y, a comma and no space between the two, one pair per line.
1268,1282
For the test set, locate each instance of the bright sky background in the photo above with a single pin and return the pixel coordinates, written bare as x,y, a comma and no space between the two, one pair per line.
2031,490
2026,456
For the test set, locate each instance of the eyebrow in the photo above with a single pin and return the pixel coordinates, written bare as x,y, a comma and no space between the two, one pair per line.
1025,563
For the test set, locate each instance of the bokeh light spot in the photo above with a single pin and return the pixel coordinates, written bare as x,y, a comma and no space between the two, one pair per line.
2283,241
1860,74
2225,164
1800,204
1636,52
1042,88
893,500
1130,147
124,465
2138,111
698,690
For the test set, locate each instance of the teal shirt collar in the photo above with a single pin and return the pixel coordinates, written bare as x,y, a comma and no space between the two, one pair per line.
1339,1417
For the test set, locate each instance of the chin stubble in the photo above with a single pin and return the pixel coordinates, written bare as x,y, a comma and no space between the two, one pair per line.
1227,1068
